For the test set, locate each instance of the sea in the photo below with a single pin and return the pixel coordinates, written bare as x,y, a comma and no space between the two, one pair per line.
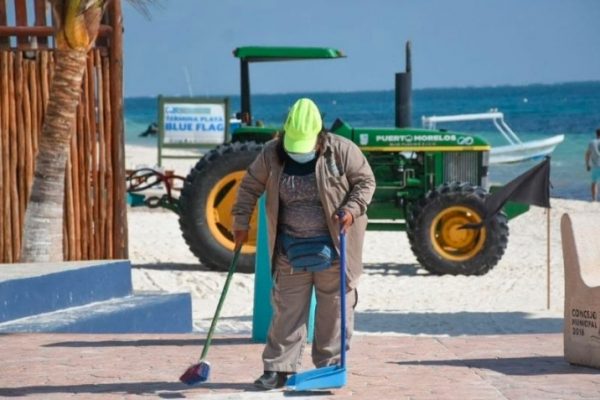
532,111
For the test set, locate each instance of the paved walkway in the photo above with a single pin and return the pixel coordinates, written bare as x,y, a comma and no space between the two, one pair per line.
58,366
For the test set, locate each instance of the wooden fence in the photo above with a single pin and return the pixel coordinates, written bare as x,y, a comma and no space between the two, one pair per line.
95,224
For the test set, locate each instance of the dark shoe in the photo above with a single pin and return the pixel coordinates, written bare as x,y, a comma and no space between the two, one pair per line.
271,380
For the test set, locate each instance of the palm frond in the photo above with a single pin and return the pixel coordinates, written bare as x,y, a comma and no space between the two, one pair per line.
143,6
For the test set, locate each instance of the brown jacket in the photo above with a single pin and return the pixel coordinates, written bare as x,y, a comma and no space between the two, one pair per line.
344,180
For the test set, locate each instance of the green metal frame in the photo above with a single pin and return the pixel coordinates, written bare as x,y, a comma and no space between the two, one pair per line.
264,53
261,53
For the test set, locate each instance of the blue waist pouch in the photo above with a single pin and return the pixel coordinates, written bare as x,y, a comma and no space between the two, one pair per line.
311,254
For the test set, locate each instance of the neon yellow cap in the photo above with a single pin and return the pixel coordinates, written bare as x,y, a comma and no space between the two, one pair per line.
302,127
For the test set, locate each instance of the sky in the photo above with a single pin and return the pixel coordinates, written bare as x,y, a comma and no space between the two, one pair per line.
185,47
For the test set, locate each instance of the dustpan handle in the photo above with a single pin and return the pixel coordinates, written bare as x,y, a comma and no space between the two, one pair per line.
343,298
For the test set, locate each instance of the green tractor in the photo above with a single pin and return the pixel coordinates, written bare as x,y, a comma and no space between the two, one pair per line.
430,183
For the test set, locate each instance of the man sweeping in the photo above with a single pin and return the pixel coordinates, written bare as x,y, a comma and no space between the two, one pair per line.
309,176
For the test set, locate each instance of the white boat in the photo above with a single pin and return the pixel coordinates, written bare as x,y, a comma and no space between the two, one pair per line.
515,151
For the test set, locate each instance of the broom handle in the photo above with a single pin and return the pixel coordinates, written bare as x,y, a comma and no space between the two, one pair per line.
343,298
213,324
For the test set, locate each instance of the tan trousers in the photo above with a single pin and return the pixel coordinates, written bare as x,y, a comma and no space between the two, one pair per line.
292,292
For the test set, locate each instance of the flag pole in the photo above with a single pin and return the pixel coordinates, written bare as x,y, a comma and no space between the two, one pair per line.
548,259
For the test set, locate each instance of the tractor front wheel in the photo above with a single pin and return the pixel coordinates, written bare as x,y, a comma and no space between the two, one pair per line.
446,234
205,206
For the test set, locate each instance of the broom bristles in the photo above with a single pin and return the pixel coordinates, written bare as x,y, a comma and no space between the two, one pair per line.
195,374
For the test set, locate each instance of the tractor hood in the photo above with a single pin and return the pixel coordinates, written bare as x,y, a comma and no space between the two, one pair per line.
409,139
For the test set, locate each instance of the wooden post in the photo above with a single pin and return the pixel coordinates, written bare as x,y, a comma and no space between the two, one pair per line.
19,138
27,133
110,185
21,20
6,230
82,175
101,188
3,120
89,234
40,20
45,81
35,122
75,160
93,135
118,143
14,196
4,40
68,242
36,98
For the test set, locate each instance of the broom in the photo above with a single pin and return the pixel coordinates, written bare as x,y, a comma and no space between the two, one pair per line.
200,372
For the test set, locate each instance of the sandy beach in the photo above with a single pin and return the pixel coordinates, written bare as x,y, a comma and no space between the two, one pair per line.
396,296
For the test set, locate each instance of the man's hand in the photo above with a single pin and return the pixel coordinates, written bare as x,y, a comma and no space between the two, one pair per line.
240,237
345,221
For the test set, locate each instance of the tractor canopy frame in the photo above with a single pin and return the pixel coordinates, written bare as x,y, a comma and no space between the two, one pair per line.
250,54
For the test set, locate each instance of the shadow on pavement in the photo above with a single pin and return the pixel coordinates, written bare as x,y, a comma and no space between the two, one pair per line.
171,267
165,390
393,269
455,324
306,393
521,366
151,342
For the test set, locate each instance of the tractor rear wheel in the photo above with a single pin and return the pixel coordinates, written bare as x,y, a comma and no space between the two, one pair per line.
205,206
441,243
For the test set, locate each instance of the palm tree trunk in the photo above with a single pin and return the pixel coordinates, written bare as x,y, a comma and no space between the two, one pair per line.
44,214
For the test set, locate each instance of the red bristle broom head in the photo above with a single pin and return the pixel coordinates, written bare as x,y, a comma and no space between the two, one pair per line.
196,374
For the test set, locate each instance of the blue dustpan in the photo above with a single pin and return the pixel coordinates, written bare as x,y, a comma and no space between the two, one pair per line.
319,378
333,376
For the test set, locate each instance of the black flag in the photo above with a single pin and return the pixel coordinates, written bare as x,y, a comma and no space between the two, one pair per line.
531,187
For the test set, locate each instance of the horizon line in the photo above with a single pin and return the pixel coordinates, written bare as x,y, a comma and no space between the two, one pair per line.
433,88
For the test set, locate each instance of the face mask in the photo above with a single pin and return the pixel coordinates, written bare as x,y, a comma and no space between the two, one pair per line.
303,158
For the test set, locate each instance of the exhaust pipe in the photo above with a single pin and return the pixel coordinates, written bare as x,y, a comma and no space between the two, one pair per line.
403,93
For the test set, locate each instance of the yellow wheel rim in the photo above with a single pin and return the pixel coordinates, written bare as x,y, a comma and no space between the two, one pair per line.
450,241
218,212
